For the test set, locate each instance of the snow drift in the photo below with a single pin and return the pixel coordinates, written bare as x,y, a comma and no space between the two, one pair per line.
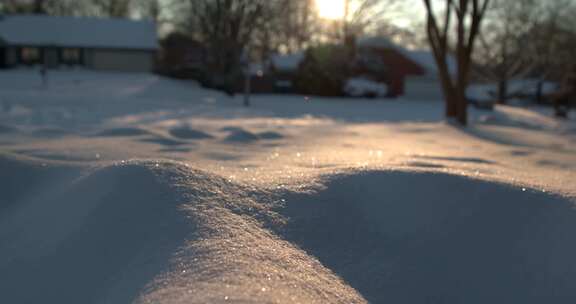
161,232
151,232
363,87
405,237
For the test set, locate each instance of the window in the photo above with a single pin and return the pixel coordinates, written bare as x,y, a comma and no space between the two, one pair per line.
71,56
30,55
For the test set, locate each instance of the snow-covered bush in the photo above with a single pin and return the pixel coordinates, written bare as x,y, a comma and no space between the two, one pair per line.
363,87
517,88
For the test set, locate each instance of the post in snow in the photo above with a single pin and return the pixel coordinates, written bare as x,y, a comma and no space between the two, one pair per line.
245,62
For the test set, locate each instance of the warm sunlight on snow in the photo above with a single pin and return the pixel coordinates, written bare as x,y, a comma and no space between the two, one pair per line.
330,9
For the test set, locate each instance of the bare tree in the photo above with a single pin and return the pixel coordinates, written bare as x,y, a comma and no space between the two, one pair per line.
468,15
112,8
20,7
226,28
504,53
280,28
297,24
553,40
359,15
409,37
151,9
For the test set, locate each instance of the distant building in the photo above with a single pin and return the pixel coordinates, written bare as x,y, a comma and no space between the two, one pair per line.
412,74
277,74
285,67
181,56
94,43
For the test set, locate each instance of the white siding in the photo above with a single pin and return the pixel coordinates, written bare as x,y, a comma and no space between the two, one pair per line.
120,60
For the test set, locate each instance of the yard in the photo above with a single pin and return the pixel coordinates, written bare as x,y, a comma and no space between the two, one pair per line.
134,187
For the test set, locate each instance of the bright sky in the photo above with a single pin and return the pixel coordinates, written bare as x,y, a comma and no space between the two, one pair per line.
403,16
330,9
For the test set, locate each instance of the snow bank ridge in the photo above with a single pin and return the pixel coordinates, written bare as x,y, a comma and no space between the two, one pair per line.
150,232
407,237
161,232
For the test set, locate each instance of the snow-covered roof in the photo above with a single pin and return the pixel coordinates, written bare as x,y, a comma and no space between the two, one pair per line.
40,30
424,58
287,62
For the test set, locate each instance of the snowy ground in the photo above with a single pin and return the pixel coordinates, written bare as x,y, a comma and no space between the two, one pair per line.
131,187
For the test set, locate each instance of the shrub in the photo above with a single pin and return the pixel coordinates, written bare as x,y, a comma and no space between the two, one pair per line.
324,71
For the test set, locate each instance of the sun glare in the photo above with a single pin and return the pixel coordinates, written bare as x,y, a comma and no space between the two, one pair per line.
330,9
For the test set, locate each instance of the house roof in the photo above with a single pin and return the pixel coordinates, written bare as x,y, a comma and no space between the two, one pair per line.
424,58
287,62
41,30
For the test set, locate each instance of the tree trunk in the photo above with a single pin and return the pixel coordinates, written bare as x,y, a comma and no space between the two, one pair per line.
450,110
462,106
469,15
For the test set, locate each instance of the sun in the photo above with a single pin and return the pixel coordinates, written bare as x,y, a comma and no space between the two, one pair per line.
330,9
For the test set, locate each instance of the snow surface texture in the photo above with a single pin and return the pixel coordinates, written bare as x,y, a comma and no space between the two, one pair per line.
119,188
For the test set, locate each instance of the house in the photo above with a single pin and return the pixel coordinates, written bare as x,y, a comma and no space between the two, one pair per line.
181,56
93,43
412,74
285,68
277,74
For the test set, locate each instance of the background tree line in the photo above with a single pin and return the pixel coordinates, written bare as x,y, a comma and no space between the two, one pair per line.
496,41
493,41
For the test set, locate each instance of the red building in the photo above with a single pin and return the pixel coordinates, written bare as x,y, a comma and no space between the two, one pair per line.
406,72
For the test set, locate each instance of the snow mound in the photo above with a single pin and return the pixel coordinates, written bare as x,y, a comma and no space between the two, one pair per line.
405,237
240,135
270,135
231,129
163,141
152,232
50,132
187,132
124,132
104,235
363,87
162,232
516,87
22,178
521,118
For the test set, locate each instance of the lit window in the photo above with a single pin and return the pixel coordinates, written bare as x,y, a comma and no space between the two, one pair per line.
30,55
